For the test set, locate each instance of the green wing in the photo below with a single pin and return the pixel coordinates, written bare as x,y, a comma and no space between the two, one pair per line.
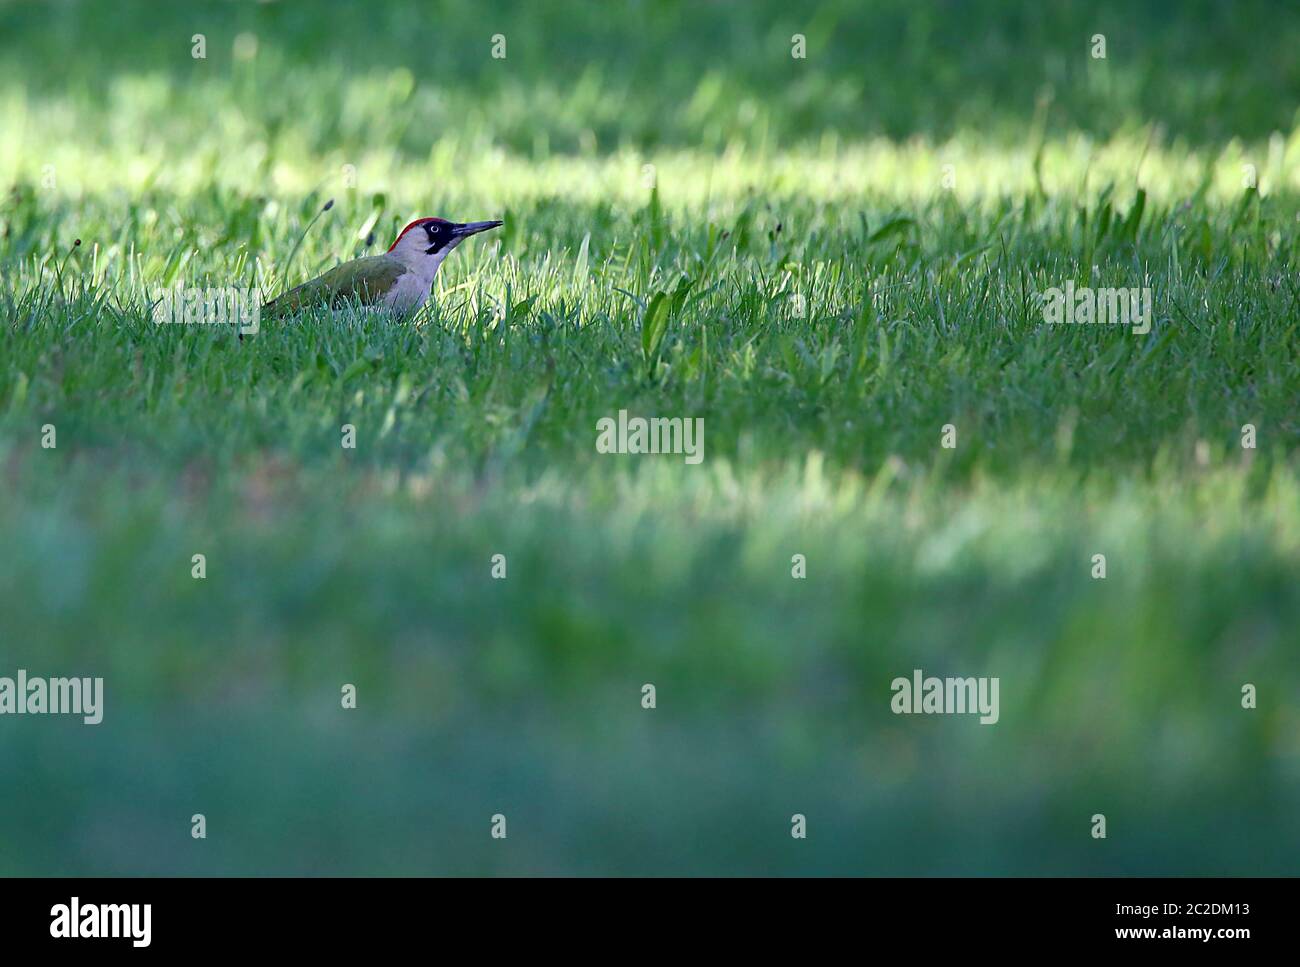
365,280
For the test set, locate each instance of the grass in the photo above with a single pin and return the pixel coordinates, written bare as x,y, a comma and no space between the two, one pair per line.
777,184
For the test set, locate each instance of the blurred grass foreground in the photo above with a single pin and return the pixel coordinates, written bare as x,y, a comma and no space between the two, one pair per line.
847,248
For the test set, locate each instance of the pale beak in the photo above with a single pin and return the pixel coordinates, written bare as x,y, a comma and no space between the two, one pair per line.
473,228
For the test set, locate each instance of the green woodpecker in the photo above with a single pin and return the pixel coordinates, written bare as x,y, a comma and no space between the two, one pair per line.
399,280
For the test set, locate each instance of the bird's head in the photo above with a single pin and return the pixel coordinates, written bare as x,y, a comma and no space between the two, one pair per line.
425,242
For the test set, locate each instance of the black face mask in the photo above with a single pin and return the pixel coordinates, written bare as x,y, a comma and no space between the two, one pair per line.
439,235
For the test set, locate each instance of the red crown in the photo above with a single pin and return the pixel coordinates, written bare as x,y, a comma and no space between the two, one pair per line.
418,221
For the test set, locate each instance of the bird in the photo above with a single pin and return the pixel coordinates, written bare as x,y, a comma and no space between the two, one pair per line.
398,281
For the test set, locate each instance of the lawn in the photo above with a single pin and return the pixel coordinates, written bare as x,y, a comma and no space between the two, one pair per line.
835,261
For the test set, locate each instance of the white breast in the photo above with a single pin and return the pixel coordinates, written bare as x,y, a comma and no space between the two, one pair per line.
408,293
411,290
